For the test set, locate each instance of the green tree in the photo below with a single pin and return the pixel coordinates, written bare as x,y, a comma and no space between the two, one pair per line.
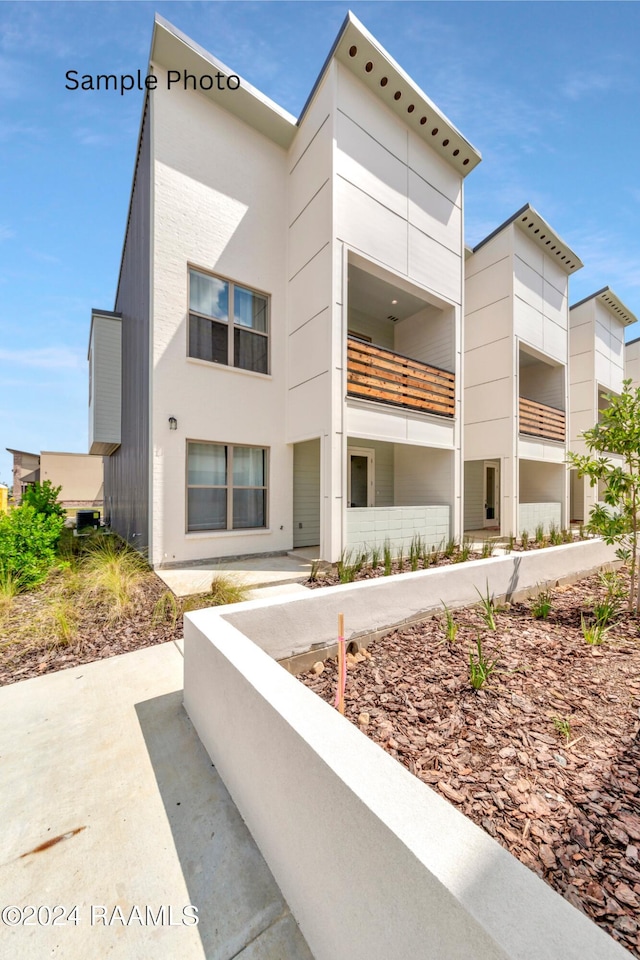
616,520
43,497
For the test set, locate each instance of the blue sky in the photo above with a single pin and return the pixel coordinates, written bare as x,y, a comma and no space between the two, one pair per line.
548,92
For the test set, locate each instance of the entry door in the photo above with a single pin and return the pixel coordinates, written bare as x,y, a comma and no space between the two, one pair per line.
491,493
361,479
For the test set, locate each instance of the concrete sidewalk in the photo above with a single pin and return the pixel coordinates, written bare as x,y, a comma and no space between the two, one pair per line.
109,802
265,573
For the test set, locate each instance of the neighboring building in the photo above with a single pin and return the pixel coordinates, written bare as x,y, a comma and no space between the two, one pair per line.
632,362
25,467
79,475
596,345
516,347
283,364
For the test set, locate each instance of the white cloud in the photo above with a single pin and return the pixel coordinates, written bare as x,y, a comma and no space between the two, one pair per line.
6,232
52,358
585,84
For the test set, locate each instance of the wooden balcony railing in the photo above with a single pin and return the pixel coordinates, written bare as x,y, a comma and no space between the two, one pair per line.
540,420
374,373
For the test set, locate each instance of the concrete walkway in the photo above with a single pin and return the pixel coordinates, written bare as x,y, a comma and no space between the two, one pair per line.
109,802
255,572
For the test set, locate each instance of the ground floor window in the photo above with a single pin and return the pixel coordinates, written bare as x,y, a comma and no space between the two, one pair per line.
226,487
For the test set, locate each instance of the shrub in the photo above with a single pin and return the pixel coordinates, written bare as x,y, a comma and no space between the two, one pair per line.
117,572
28,541
541,606
224,589
43,497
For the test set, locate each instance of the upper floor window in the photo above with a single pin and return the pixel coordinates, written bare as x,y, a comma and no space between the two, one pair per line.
228,323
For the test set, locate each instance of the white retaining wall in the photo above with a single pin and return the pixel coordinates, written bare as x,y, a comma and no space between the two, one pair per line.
373,863
369,527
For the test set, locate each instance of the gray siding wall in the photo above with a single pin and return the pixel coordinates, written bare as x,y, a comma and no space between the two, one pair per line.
126,477
306,493
473,494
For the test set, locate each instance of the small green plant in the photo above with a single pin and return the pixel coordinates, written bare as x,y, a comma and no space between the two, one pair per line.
487,549
63,616
563,726
488,608
593,633
480,668
604,612
567,536
541,605
9,587
614,587
400,559
450,626
524,540
510,544
539,536
450,548
346,568
375,557
116,574
313,573
582,533
387,558
416,550
464,551
555,535
224,590
166,609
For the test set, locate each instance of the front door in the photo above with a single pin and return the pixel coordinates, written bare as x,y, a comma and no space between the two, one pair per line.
360,479
491,494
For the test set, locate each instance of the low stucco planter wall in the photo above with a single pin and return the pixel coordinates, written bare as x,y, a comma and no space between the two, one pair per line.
373,863
301,623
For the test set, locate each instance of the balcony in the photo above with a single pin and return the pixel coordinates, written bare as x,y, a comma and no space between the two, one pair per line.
375,373
542,421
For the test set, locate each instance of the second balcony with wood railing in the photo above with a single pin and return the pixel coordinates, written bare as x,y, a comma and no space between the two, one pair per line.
542,421
378,374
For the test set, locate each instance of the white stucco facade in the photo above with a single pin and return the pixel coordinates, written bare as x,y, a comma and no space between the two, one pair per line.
516,335
346,227
597,358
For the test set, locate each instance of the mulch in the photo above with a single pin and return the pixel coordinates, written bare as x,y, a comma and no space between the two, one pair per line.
564,800
97,637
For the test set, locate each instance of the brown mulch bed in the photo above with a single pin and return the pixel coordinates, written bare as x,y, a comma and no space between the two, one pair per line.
329,577
97,637
566,802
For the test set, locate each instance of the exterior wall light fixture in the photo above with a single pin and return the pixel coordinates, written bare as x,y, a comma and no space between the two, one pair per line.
173,423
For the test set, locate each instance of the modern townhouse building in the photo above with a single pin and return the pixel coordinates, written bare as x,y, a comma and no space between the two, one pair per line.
282,367
516,351
596,356
632,362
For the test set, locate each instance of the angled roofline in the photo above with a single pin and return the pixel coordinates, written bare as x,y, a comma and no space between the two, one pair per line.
9,450
527,218
355,48
612,303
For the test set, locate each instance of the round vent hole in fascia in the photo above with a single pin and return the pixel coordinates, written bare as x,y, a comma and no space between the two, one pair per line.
353,51
368,66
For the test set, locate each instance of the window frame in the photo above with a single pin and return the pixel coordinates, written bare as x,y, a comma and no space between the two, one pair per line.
230,487
230,322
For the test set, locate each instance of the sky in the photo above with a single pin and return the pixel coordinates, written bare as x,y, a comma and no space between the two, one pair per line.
548,92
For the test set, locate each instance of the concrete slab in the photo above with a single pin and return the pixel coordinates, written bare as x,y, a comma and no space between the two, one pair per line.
110,803
251,571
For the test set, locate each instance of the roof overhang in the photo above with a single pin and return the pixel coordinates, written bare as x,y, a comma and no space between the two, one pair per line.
174,50
361,53
356,49
538,230
612,303
106,314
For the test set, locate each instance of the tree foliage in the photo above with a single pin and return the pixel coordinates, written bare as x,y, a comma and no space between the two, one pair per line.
616,518
43,497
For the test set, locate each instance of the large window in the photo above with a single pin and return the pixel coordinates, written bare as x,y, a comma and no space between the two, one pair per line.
226,487
228,324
